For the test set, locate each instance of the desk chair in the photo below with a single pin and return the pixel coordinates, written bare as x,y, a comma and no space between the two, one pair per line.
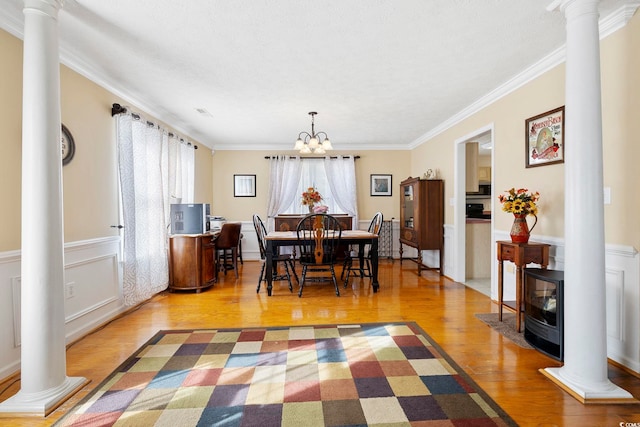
318,241
361,269
285,259
227,247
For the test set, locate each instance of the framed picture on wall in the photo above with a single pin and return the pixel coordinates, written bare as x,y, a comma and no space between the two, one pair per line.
244,185
380,185
544,138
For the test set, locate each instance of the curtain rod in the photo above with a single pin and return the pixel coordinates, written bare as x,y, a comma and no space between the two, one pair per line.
119,109
316,157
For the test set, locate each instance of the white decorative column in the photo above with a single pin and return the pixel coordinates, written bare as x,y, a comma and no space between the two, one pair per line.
44,384
584,374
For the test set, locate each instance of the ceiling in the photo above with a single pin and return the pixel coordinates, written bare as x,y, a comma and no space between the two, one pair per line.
243,74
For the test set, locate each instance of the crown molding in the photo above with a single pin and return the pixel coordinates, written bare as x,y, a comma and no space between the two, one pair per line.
607,26
289,147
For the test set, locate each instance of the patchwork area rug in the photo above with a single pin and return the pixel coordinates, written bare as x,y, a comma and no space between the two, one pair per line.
327,375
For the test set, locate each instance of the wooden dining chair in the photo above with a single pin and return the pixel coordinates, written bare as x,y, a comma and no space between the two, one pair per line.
284,259
227,247
318,242
353,254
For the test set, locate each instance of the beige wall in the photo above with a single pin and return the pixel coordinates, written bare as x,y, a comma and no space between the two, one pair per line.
621,105
225,165
228,163
621,127
507,116
11,125
203,192
90,181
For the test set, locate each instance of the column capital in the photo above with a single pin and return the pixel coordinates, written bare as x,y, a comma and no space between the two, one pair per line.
574,7
48,7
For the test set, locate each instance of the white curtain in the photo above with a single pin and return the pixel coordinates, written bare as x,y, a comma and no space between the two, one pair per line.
181,166
152,169
284,177
341,175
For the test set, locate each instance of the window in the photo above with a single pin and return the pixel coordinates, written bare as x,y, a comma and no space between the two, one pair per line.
314,175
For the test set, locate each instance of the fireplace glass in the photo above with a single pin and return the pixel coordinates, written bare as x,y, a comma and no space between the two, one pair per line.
543,311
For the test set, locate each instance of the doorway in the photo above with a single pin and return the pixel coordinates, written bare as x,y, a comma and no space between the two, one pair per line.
481,242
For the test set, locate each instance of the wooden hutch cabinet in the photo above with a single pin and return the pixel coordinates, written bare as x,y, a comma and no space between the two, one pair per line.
192,263
422,217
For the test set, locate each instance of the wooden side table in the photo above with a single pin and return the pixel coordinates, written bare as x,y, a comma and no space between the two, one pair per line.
520,254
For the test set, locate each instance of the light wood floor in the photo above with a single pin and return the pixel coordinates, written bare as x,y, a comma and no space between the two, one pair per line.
444,309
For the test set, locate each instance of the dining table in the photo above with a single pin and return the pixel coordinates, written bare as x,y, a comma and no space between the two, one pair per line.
277,239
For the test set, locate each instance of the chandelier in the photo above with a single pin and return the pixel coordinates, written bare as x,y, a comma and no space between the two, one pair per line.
313,143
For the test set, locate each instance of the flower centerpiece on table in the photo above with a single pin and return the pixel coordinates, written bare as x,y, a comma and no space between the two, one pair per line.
311,197
520,203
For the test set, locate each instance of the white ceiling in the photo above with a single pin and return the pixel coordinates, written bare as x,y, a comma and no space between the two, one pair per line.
380,73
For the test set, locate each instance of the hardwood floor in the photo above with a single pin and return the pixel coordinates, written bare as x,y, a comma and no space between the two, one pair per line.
444,309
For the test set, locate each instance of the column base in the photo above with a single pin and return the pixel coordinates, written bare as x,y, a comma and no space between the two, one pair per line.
611,395
42,403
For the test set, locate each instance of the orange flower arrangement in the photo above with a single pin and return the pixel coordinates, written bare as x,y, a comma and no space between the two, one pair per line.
520,201
311,197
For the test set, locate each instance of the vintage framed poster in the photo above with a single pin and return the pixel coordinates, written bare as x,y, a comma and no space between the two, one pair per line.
380,185
544,138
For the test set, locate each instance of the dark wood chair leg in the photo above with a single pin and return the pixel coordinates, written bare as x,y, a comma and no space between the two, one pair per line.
234,260
304,275
261,276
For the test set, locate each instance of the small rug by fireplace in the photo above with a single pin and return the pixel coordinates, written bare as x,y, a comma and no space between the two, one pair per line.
327,375
507,327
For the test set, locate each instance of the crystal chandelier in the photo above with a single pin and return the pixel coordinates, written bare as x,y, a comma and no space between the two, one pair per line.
317,143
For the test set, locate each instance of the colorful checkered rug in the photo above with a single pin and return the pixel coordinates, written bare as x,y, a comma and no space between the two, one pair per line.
389,374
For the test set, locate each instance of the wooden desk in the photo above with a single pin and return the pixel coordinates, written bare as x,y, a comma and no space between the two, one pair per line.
275,239
520,254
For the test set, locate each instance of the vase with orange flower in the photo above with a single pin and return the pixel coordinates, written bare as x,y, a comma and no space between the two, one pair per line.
310,198
521,203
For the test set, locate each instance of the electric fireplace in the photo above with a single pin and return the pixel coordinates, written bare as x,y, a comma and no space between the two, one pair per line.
543,311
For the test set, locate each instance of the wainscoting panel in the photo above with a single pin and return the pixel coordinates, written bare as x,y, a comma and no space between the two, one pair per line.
622,292
92,294
16,298
9,300
614,305
250,249
622,269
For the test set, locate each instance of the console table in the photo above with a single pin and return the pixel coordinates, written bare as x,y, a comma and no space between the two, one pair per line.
520,254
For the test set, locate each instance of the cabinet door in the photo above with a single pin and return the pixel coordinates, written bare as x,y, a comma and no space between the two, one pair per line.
183,262
432,215
208,264
484,173
408,205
